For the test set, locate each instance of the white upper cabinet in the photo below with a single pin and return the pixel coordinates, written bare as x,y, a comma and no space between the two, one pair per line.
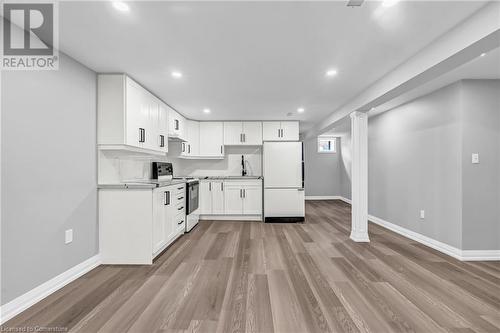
128,115
247,133
211,139
290,130
162,126
280,130
233,133
271,130
192,145
252,133
176,125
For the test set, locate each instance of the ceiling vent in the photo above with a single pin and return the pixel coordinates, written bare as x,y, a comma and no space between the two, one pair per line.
355,3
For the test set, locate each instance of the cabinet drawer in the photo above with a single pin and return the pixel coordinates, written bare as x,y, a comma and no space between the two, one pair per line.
180,207
180,220
180,197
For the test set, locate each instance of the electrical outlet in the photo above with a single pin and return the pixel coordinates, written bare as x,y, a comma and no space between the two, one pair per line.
475,158
68,236
422,214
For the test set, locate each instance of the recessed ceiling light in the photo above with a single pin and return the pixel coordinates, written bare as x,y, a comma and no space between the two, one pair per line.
121,6
206,110
300,110
372,109
331,72
483,54
176,74
389,3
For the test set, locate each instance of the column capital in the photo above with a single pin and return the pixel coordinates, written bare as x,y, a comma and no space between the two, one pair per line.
358,114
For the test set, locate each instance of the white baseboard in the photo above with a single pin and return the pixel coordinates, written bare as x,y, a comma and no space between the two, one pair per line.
327,197
21,303
463,255
232,217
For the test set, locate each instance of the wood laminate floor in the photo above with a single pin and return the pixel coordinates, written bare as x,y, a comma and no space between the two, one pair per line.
256,277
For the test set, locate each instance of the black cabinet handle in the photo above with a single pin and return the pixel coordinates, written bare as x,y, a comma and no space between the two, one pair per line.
241,193
180,188
180,198
176,122
189,149
180,208
162,141
167,198
142,135
181,222
210,186
221,149
241,137
221,186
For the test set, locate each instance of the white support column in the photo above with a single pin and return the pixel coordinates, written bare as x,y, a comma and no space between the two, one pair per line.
359,177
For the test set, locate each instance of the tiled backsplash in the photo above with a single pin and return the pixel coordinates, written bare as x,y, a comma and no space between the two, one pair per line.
125,168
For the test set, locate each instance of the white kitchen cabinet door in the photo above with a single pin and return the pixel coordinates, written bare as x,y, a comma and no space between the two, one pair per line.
233,133
205,198
217,197
160,232
284,202
192,147
162,123
233,199
290,130
151,110
252,200
211,139
252,133
177,125
271,131
137,114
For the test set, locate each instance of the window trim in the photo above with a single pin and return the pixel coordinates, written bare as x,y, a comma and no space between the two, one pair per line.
332,139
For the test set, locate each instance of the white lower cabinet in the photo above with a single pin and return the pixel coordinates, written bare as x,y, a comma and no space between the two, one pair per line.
231,198
243,197
211,197
135,225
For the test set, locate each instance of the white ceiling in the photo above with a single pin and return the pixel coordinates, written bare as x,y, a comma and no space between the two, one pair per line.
254,60
487,67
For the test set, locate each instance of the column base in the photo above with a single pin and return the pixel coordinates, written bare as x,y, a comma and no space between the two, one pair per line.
360,237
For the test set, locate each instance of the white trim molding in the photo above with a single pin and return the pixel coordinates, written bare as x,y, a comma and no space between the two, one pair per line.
463,255
21,303
328,197
231,217
322,197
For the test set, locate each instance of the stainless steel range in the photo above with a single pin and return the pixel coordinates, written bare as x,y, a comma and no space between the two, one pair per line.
162,172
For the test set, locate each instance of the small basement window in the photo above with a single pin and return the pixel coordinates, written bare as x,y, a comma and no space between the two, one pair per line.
327,144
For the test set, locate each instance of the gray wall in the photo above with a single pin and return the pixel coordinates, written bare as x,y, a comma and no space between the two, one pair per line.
345,166
419,157
322,171
48,174
414,163
481,182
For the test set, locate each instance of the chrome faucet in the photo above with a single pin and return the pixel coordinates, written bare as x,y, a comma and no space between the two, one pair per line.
243,168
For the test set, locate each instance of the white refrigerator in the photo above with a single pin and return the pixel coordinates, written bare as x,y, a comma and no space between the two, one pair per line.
284,197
